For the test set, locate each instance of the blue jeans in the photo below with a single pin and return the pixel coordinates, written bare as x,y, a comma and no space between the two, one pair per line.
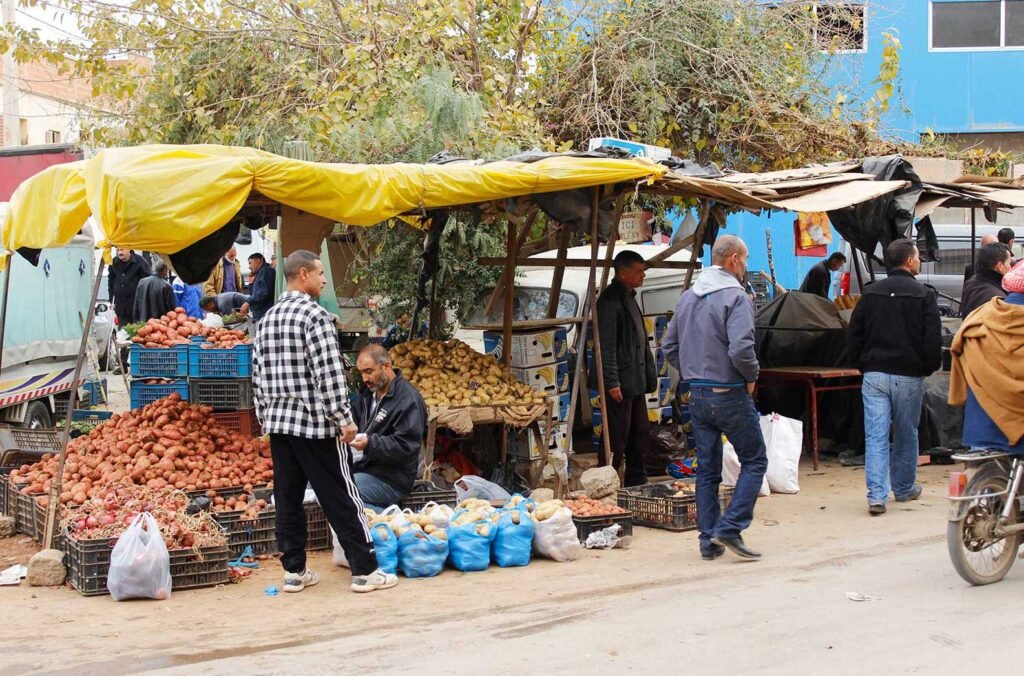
731,413
896,401
376,494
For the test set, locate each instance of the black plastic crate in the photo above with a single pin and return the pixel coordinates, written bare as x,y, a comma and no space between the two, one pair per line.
29,441
585,525
5,482
656,506
88,562
318,531
257,533
424,492
25,518
8,506
221,394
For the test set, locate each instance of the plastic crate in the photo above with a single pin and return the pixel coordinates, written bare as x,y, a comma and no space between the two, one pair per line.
244,422
424,492
25,518
230,492
257,533
95,392
85,415
318,531
235,362
142,394
19,458
29,441
5,482
656,506
159,362
88,562
585,525
221,394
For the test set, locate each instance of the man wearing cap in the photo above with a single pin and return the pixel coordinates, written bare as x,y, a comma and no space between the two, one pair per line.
987,370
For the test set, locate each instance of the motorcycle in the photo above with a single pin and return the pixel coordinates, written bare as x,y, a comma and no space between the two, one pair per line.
985,526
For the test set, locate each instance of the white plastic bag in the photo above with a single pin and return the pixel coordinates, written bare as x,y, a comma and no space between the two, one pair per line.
338,555
469,486
556,537
140,567
731,469
439,514
784,439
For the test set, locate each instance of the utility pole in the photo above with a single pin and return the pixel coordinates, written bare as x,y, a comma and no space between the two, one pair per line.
9,77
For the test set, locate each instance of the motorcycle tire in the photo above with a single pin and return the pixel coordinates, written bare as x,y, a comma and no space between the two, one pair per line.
970,541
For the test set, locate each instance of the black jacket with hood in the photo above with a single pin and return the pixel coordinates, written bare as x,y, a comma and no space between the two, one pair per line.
895,328
625,355
395,433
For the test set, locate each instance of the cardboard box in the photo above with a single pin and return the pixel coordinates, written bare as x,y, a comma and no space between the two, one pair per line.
635,227
657,326
658,416
663,396
530,348
661,364
654,153
561,407
524,445
598,428
551,379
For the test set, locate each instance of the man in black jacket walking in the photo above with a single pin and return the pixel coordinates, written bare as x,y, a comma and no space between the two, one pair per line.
127,270
392,421
629,370
894,337
991,263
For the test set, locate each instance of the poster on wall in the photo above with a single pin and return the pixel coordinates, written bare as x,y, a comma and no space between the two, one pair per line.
812,234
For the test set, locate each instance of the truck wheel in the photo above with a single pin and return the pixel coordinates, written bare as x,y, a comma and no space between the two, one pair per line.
37,416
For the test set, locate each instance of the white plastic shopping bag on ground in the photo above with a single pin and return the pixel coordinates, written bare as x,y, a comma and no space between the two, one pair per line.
338,555
469,486
140,567
784,439
731,469
556,537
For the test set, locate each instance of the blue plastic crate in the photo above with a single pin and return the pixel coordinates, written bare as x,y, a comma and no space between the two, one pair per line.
144,393
94,391
80,414
159,362
235,362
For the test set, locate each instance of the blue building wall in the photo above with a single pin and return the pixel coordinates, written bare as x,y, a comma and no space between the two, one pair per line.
947,92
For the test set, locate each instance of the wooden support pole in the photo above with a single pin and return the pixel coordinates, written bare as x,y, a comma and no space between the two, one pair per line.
698,241
83,346
552,262
511,254
3,308
592,288
556,280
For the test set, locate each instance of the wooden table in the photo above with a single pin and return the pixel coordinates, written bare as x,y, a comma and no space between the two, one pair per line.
817,379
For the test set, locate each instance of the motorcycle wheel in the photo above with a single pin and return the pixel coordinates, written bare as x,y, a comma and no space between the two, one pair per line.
978,555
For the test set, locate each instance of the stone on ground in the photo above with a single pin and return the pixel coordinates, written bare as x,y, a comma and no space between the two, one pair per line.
46,568
600,482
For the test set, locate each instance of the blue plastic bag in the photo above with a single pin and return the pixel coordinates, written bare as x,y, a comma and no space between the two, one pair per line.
385,545
421,555
469,544
525,504
513,542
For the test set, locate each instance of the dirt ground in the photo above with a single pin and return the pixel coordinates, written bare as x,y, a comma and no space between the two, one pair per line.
59,631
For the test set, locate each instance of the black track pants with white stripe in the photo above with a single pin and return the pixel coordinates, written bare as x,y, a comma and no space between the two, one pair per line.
328,469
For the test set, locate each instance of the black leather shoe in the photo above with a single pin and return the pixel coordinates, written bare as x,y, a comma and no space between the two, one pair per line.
735,544
713,553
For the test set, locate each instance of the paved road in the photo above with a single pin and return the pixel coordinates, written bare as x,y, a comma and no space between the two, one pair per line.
756,618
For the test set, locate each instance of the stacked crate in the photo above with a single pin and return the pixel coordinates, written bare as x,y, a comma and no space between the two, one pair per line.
157,372
222,379
659,402
540,359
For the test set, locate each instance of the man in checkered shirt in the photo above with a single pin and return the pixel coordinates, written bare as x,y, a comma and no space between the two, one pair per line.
302,403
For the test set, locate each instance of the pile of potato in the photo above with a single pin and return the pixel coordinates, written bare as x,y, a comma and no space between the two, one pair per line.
453,374
590,507
224,339
174,328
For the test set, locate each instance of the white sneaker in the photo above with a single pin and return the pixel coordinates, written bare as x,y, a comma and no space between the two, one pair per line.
378,579
296,582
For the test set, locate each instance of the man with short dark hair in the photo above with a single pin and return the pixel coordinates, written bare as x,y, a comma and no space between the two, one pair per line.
302,402
819,278
991,262
1007,237
895,339
628,367
127,270
261,295
225,304
710,340
392,421
154,296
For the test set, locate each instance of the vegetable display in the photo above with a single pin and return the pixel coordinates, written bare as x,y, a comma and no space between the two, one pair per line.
590,507
167,444
453,374
108,516
684,489
224,339
174,328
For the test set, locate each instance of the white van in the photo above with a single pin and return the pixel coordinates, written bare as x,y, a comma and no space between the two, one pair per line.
946,274
658,295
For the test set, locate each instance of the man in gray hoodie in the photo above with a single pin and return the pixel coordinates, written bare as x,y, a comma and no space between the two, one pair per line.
710,340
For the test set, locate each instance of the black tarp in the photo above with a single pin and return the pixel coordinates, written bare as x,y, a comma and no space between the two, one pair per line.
800,329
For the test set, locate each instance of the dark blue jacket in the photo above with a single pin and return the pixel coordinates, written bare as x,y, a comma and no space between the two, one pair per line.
395,433
261,296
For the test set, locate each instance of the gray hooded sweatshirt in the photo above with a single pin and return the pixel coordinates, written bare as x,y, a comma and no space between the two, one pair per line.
710,339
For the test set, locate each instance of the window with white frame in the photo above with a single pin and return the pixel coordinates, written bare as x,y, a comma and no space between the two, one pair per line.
977,24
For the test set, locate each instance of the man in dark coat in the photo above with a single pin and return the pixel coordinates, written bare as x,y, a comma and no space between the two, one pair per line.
127,270
628,366
895,340
261,295
392,421
819,278
154,296
991,262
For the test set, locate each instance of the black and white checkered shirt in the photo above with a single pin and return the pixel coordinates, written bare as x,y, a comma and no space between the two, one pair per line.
297,374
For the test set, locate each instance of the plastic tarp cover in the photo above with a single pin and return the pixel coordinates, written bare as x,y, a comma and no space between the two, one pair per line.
942,424
165,198
800,329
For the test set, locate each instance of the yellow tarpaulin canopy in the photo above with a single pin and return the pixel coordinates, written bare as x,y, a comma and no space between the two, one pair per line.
165,198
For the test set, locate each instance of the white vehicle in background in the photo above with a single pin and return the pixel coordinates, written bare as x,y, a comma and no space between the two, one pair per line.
658,295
